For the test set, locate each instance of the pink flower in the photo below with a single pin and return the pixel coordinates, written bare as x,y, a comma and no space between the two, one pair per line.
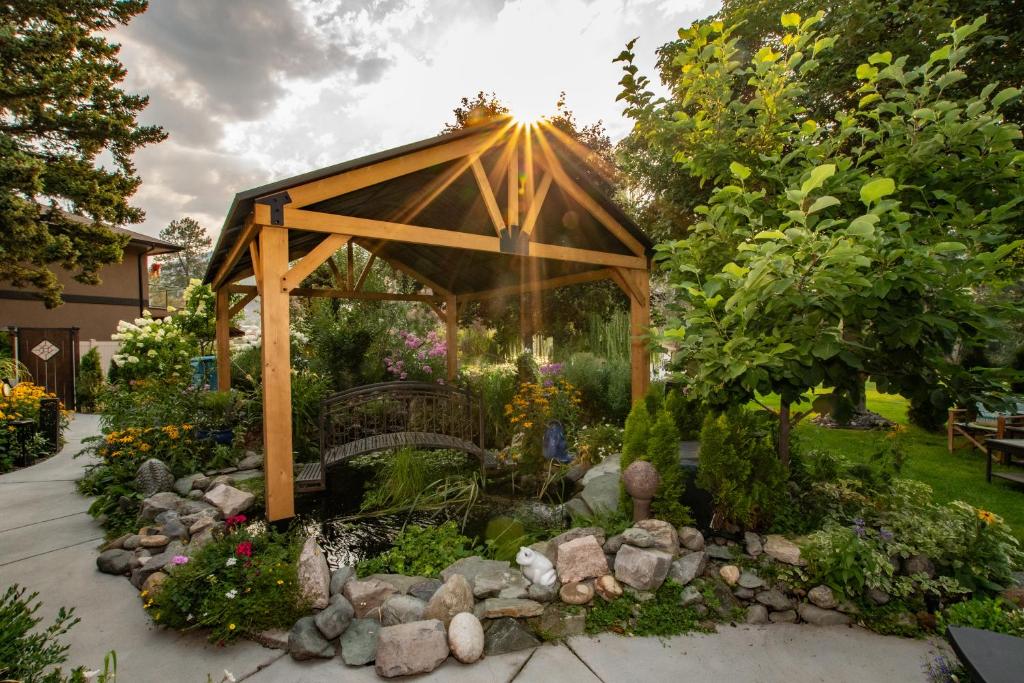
403,375
179,560
244,549
427,369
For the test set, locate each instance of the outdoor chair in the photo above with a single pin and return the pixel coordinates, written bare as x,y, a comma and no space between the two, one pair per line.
985,425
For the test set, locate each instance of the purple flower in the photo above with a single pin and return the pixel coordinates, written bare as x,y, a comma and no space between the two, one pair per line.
858,527
885,535
179,560
552,368
403,375
427,369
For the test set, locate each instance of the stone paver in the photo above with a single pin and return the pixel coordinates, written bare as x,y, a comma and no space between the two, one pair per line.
555,663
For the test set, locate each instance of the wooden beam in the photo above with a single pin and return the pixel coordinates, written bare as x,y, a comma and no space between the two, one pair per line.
364,227
339,281
358,178
512,187
624,280
345,294
639,326
528,173
487,194
257,270
584,199
223,336
277,376
551,283
313,260
500,166
350,262
366,271
249,231
451,310
402,268
438,311
237,308
537,204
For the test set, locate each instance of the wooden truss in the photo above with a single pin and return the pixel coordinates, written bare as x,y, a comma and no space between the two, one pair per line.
265,237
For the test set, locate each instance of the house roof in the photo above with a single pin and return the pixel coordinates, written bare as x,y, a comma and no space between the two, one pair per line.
155,245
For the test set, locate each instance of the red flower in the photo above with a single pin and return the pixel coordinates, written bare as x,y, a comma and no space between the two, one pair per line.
235,521
244,549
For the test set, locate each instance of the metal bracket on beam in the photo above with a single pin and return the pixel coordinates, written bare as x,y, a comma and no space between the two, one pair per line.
512,240
276,202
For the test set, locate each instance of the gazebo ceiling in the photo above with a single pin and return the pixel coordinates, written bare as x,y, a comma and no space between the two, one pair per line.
459,207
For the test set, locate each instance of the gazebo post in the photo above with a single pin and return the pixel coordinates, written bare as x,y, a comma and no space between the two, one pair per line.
223,346
451,319
277,382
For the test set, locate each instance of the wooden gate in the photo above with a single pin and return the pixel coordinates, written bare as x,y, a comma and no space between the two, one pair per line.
51,356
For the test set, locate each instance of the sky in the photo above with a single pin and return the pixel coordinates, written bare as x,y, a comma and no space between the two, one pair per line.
251,91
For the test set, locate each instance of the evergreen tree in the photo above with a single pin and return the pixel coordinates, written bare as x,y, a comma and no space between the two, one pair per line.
663,453
189,263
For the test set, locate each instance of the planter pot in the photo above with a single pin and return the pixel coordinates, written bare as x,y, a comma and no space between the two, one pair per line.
224,436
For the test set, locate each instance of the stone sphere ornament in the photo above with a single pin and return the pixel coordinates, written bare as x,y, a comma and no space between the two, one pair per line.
641,481
536,567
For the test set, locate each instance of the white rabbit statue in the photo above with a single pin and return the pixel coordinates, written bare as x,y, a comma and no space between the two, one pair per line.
536,567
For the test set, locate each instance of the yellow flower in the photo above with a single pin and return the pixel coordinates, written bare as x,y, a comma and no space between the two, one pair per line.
280,582
986,516
143,594
231,627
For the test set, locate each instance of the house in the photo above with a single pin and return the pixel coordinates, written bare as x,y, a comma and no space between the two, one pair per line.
50,341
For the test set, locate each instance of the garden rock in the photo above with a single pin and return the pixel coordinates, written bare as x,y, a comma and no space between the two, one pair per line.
175,529
153,476
188,508
221,480
749,579
314,575
359,642
156,563
273,638
757,614
919,564
505,583
252,460
195,494
608,587
581,558
425,589
151,586
726,600
730,573
401,583
644,570
688,567
743,593
602,494
635,536
116,544
157,503
402,609
723,553
571,535
877,596
813,614
665,537
229,500
368,595
153,541
823,597
470,567
407,649
335,618
577,509
466,638
610,465
306,642
496,608
557,623
184,485
612,545
691,539
508,635
199,540
576,593
206,511
775,600
131,542
339,577
453,597
114,561
201,482
784,617
752,542
202,524
690,596
783,550
541,593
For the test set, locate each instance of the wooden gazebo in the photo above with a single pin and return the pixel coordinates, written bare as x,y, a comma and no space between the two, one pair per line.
498,210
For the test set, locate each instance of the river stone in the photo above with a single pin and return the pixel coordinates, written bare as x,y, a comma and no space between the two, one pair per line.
690,596
495,608
401,609
201,539
752,542
401,583
722,553
368,595
644,570
335,618
173,528
454,596
576,593
749,579
743,593
116,544
306,642
131,542
571,535
919,564
877,596
151,586
221,480
153,476
156,563
602,494
665,537
314,575
359,642
189,508
229,500
272,638
634,536
757,614
608,587
470,567
425,589
339,577
154,541
784,617
781,549
775,600
688,567
415,648
691,539
823,597
813,614
581,558
541,593
506,583
157,503
183,485
251,461
114,561
466,638
610,465
202,524
730,573
556,623
508,635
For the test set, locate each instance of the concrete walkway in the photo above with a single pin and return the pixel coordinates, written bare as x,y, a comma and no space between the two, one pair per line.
48,544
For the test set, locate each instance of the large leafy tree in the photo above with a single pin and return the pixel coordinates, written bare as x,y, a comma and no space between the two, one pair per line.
190,262
876,245
60,110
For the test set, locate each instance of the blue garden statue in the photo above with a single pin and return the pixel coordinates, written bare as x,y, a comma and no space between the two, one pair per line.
555,447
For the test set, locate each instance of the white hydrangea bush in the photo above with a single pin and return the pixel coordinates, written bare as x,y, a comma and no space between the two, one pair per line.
153,348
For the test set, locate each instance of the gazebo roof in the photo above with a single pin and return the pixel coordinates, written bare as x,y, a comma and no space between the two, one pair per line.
452,195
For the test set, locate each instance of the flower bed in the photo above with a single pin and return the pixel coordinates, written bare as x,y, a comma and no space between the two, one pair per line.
23,404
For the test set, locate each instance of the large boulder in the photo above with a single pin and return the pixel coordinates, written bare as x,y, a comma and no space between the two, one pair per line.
601,494
401,583
688,567
692,539
306,642
610,465
581,558
813,614
157,503
415,648
466,638
153,476
251,461
471,567
508,635
642,569
823,597
229,500
783,550
453,597
496,608
314,574
359,642
341,576
505,583
114,561
571,535
665,537
425,589
368,595
335,618
775,600
401,609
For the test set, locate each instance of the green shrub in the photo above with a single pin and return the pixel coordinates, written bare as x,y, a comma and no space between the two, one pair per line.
241,584
409,474
739,467
659,616
496,386
420,551
929,410
843,559
985,613
663,453
637,433
90,380
604,386
596,442
308,390
504,536
688,413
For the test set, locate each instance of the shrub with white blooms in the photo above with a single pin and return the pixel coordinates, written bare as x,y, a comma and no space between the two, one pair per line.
152,348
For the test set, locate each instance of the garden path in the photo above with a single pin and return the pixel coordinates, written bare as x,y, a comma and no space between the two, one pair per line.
48,544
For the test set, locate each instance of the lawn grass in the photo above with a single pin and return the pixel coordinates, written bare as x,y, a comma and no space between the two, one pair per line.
956,476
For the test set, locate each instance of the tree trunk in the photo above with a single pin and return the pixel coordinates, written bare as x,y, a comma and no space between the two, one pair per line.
784,433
